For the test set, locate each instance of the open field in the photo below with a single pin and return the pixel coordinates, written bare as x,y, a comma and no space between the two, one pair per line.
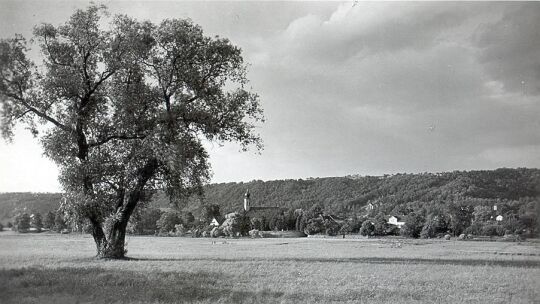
51,268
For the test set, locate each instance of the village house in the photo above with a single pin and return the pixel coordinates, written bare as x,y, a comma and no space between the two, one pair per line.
396,221
371,205
214,222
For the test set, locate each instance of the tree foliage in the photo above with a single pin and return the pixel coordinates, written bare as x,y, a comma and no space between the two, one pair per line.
209,212
346,228
233,224
256,223
36,221
314,225
367,228
145,221
22,222
48,221
59,222
380,225
168,221
397,194
414,224
125,110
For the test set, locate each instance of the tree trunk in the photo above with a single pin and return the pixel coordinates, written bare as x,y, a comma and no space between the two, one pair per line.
115,245
112,244
99,236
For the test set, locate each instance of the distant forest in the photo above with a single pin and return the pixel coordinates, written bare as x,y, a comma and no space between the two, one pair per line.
343,196
347,195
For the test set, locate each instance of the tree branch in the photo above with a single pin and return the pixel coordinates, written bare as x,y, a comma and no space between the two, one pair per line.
22,114
144,174
39,113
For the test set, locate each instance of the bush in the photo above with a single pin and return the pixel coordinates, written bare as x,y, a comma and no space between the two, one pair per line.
254,233
256,223
59,223
196,233
529,221
346,228
512,237
232,224
428,231
179,230
380,225
356,225
513,225
167,221
277,223
331,227
367,228
48,221
22,222
188,219
392,230
314,226
413,225
145,221
434,225
493,230
216,232
474,229
331,231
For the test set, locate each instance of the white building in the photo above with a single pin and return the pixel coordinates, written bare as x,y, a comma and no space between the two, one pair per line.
396,221
214,222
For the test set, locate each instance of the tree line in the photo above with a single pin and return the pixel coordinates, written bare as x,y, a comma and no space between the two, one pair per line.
430,204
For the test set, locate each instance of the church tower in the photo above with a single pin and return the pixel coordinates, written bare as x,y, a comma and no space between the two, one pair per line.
247,201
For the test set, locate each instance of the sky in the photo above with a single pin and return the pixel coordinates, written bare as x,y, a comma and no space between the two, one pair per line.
365,88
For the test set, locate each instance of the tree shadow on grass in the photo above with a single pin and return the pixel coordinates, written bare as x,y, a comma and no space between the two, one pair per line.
371,260
97,285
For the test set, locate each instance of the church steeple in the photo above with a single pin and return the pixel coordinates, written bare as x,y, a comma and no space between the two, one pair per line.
247,201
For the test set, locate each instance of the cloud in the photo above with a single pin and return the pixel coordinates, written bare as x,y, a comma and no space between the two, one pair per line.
513,156
377,88
363,87
509,48
369,28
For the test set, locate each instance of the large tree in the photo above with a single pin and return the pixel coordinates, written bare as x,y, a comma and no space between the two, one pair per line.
125,110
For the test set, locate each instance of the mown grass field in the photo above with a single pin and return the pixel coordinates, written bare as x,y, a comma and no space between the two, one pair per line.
51,268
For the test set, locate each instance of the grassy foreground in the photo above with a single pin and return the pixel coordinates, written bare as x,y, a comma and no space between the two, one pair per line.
51,268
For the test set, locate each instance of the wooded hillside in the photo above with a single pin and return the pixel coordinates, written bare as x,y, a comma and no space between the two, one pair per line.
343,195
11,203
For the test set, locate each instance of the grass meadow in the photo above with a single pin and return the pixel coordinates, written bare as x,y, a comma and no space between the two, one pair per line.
52,268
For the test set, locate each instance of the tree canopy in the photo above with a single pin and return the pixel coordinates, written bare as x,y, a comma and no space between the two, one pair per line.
125,110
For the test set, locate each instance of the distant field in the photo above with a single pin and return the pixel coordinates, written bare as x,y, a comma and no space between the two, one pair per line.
51,268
